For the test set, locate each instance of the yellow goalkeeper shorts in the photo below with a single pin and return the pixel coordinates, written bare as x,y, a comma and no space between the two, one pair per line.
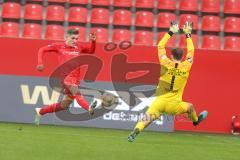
163,105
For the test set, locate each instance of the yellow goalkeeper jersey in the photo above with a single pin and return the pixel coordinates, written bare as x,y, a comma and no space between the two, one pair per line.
173,74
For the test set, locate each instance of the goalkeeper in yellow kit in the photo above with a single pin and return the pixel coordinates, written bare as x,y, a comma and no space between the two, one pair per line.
173,78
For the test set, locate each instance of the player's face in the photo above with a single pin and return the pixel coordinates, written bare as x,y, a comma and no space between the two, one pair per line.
72,39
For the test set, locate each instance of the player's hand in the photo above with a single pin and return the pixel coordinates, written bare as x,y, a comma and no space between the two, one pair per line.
93,36
40,67
174,27
187,28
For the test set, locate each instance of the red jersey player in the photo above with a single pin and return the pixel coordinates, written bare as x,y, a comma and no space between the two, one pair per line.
67,50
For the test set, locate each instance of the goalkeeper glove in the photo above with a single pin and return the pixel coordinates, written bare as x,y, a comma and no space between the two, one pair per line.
187,28
174,27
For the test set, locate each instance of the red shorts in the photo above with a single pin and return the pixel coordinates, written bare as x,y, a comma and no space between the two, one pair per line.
70,80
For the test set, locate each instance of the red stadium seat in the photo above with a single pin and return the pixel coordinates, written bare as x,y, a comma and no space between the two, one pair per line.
189,17
232,43
122,3
54,32
55,13
101,33
211,23
100,2
188,5
122,17
100,16
167,4
183,42
232,24
164,19
143,38
121,35
82,32
144,4
78,1
11,10
211,42
232,6
144,19
171,42
33,12
210,6
58,1
9,29
77,14
32,30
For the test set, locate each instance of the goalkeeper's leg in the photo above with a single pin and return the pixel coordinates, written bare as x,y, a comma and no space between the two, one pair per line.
152,114
197,119
191,112
193,115
141,125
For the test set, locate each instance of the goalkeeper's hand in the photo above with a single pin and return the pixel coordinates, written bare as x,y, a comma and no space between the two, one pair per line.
187,28
174,28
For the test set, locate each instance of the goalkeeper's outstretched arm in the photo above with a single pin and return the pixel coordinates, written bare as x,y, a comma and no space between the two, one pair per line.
162,43
190,47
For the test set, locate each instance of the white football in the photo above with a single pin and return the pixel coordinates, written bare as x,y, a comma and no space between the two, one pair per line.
108,100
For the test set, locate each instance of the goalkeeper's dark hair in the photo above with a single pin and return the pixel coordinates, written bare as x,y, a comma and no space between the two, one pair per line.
72,32
177,53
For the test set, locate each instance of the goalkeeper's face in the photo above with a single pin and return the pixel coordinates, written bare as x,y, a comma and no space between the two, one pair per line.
177,54
72,39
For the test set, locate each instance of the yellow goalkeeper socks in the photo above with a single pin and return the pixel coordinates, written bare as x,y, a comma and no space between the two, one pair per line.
140,126
194,116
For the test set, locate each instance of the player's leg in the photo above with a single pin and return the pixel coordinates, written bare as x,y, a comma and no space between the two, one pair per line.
72,81
62,105
186,107
192,114
151,114
141,125
81,100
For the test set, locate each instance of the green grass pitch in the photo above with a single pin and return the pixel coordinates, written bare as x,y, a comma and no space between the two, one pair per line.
28,142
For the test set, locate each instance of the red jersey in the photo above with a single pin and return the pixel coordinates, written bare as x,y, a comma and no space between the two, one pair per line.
66,52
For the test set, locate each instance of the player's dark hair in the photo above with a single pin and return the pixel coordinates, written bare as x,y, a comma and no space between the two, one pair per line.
177,53
72,32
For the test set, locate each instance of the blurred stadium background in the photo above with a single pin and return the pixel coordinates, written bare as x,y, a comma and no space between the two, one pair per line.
26,25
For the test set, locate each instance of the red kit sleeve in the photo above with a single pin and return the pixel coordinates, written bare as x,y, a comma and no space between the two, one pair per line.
88,48
43,50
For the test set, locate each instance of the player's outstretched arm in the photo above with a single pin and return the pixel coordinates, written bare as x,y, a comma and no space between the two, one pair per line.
90,48
162,43
187,29
41,54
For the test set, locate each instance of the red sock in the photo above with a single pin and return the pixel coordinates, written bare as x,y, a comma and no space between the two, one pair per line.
51,108
82,102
